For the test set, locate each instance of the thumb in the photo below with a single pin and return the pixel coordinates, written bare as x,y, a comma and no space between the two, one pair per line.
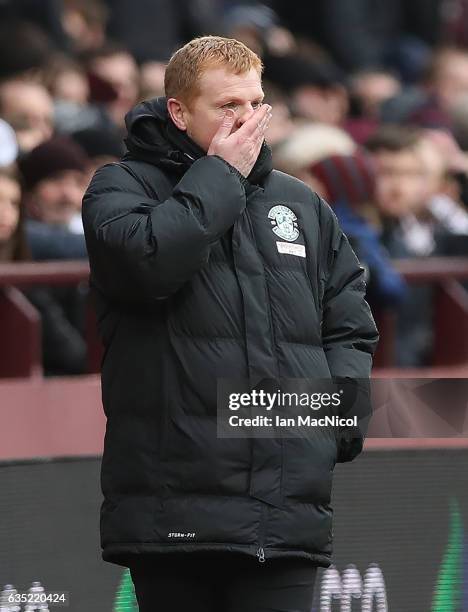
225,128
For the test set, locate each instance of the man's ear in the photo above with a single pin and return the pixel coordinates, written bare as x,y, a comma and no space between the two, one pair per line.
177,111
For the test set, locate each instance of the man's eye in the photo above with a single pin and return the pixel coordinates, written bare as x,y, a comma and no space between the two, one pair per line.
234,105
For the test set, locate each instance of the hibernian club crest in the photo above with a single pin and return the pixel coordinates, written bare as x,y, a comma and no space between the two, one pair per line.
284,222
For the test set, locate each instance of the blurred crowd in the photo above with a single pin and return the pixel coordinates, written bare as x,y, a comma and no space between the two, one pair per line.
370,108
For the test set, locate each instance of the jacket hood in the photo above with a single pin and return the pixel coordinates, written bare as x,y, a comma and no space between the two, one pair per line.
153,137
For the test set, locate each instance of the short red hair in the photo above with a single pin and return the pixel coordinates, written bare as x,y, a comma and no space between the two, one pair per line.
185,67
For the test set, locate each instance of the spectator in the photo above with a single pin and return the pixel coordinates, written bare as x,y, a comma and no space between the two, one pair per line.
281,124
400,179
68,83
399,199
24,50
448,218
315,89
28,108
116,67
12,240
101,146
152,79
434,102
309,143
447,79
347,182
53,175
406,182
61,309
84,21
445,85
371,88
455,180
409,182
451,23
66,80
8,146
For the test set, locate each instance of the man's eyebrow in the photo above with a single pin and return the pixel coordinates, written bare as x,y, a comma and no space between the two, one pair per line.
225,100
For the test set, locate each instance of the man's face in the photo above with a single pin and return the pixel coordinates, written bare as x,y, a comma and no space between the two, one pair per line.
220,90
400,186
28,108
121,71
373,88
58,198
451,82
325,105
9,207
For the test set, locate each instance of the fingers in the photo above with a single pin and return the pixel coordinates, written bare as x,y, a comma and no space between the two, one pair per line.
226,125
254,123
262,125
241,148
258,141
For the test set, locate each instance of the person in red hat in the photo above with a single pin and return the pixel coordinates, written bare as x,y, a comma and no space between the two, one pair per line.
53,177
348,183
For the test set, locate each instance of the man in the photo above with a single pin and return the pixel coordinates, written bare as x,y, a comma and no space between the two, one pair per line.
417,220
315,88
199,276
53,179
29,109
114,66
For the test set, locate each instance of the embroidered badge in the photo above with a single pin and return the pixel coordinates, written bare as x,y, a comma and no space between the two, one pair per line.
291,249
284,222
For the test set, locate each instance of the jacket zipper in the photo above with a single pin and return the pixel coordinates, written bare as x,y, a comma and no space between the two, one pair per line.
260,550
260,553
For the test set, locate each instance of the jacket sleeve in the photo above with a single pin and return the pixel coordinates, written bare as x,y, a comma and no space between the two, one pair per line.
141,249
349,333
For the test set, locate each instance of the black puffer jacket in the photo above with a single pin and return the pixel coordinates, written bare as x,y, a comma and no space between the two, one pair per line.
191,287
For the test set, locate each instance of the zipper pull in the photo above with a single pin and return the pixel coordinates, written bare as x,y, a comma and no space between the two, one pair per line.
261,555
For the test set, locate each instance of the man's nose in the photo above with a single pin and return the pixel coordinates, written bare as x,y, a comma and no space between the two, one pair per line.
71,195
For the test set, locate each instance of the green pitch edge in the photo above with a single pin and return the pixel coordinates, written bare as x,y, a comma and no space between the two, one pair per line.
447,597
125,600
